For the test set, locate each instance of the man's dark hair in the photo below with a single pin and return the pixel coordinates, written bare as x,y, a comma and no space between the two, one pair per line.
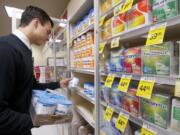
32,12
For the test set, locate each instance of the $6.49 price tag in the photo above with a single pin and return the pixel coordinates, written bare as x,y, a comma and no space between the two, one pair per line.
109,80
124,83
108,113
121,122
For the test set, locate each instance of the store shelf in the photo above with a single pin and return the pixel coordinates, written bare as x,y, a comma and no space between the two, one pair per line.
83,71
139,121
80,92
168,80
91,27
86,114
139,35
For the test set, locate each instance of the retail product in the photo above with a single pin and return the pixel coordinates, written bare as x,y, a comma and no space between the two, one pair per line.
139,15
116,2
64,107
156,109
105,5
164,9
137,132
132,60
105,94
117,60
161,62
106,32
130,101
91,16
74,82
119,24
175,115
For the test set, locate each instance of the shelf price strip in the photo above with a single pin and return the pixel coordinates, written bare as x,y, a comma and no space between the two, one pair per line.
146,130
145,87
121,122
109,80
101,47
115,43
156,34
126,6
108,113
124,83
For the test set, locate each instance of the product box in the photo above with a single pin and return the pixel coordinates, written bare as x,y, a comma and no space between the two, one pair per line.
116,60
119,24
164,9
159,59
106,32
139,15
131,102
156,109
175,115
132,60
105,5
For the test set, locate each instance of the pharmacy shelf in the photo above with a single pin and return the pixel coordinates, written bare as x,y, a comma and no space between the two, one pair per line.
86,114
168,80
139,121
83,71
140,34
91,27
80,92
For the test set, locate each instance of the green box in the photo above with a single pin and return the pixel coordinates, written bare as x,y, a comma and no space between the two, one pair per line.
156,110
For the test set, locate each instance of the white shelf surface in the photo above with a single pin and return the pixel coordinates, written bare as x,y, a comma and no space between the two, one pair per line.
83,71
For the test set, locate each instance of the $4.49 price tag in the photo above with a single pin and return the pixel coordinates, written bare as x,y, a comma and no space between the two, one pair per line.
108,113
124,83
145,87
115,43
109,80
121,122
156,34
126,6
146,130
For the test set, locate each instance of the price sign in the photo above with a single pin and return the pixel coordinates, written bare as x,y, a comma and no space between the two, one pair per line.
156,34
108,113
124,83
115,43
121,122
101,47
101,21
145,87
147,130
126,6
109,80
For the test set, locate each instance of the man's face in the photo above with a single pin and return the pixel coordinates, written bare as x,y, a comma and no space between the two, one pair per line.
42,33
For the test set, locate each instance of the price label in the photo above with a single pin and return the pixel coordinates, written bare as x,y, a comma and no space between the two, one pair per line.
101,21
115,43
145,87
121,122
117,10
101,47
124,83
147,130
109,80
177,89
116,2
126,6
156,34
108,113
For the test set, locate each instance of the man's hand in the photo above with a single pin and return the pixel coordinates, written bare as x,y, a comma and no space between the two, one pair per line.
64,83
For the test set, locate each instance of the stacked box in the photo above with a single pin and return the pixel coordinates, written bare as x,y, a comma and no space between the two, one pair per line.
105,5
164,9
156,109
106,30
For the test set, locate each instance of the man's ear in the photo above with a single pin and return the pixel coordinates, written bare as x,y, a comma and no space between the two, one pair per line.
35,22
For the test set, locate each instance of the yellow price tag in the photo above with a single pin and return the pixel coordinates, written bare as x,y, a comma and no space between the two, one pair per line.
145,87
101,47
108,113
121,122
115,43
147,130
177,89
117,10
101,21
109,80
126,6
116,2
156,34
124,83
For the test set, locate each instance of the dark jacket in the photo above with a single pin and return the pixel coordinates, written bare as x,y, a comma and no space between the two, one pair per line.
16,84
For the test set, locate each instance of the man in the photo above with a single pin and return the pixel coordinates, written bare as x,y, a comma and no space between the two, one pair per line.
16,72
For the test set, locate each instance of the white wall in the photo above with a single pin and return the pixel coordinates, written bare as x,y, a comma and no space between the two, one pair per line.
38,55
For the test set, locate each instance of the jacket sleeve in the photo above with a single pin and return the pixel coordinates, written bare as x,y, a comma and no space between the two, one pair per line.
10,120
43,86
